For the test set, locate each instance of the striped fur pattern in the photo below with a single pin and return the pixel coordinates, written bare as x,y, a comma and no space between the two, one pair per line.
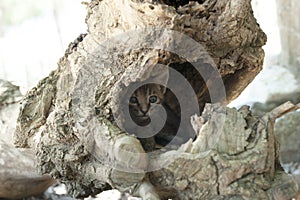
143,101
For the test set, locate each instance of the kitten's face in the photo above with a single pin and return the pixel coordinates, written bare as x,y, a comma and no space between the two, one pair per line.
143,102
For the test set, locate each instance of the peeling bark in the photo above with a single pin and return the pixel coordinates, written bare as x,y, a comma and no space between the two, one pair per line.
75,117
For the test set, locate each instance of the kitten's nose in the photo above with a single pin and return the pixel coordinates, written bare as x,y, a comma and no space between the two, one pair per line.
144,110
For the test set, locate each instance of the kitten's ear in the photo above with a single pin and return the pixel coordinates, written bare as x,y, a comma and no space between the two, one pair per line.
162,89
159,73
156,73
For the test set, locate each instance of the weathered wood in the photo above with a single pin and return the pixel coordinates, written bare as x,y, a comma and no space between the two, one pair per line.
74,118
238,161
18,175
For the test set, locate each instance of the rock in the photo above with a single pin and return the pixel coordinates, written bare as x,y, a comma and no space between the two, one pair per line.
18,176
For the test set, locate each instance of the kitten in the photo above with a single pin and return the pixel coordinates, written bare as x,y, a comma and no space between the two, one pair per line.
143,101
142,104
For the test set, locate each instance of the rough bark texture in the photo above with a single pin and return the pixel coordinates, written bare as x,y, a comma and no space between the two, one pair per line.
241,161
18,175
286,128
72,117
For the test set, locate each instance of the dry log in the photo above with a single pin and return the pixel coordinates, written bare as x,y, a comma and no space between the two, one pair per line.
76,118
18,175
237,159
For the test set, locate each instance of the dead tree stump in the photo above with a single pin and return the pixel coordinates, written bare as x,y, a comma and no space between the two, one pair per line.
76,118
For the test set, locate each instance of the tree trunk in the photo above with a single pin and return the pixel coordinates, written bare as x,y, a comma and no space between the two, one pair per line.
207,52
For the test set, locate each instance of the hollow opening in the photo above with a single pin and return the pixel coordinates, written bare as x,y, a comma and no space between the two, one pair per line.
177,128
177,3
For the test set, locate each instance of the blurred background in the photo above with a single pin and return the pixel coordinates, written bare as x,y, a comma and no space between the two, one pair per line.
34,35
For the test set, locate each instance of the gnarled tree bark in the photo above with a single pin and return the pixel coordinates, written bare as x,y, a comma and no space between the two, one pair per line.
74,117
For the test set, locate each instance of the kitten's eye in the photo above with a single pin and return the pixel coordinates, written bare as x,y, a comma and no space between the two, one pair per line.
133,100
153,99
